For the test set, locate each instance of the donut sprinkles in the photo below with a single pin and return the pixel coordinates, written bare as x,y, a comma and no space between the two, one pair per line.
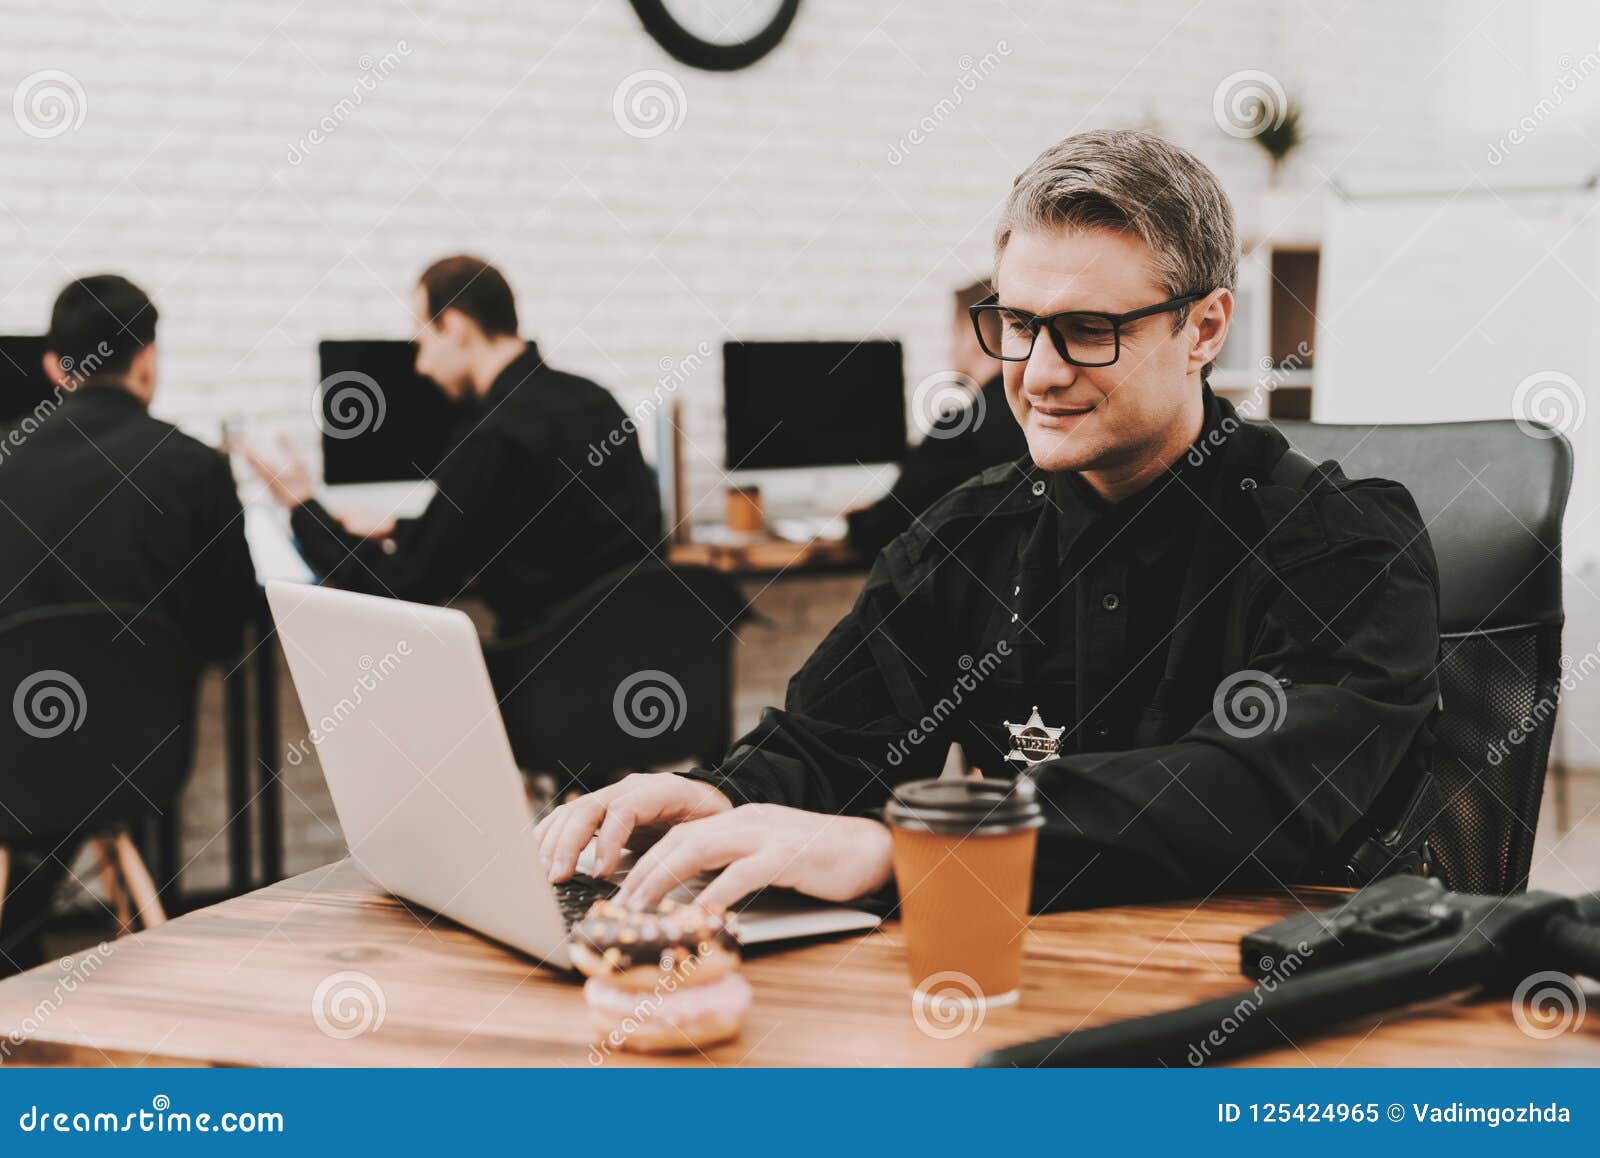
660,980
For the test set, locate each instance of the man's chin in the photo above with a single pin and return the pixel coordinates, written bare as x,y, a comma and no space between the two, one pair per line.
1059,450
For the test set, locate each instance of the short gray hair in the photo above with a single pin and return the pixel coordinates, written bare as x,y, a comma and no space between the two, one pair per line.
1137,183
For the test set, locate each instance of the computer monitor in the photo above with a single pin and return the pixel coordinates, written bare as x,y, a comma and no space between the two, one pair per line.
23,385
807,404
394,434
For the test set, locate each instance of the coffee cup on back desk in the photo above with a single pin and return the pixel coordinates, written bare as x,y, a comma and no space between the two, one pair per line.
963,862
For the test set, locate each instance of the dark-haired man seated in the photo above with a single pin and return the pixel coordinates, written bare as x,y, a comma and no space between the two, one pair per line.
520,508
1237,645
103,504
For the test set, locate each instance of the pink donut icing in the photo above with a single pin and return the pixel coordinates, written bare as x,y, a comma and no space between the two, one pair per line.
726,997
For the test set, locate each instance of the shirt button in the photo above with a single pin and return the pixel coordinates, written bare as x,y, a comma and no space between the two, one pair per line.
1100,729
1013,617
1017,590
1038,487
1247,484
1110,601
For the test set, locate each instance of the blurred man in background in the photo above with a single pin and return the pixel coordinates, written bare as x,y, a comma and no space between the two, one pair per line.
101,504
519,508
965,440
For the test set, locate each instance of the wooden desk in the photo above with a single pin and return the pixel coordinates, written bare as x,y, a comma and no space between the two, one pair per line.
769,556
234,985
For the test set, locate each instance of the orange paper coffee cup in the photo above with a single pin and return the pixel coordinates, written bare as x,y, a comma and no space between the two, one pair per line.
963,862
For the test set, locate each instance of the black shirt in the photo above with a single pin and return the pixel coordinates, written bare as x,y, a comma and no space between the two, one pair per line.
101,503
541,490
1240,666
980,435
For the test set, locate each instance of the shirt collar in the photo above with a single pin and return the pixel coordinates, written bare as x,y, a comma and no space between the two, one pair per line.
106,393
519,371
1150,516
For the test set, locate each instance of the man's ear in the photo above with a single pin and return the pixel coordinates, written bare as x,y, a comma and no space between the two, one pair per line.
142,371
54,371
1209,318
456,326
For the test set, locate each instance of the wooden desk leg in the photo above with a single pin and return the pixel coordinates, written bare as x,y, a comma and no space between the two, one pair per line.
235,710
269,797
140,886
106,850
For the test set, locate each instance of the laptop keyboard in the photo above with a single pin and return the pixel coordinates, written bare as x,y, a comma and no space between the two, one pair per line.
577,895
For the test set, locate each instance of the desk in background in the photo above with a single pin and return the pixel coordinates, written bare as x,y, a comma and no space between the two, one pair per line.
238,984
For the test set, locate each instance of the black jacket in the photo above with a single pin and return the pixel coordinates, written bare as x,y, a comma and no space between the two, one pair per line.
982,434
101,503
1241,667
541,491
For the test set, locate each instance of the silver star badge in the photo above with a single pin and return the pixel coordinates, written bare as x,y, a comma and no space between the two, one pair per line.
1033,742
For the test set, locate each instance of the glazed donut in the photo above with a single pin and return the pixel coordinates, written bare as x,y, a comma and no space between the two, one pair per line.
660,979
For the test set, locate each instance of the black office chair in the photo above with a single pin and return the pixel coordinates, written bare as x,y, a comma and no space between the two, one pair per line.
635,672
1492,496
97,734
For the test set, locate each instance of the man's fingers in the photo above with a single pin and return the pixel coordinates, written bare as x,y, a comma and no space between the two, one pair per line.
574,835
552,826
258,464
735,883
614,830
686,852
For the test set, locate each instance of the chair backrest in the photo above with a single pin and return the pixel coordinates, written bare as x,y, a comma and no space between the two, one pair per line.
635,672
1492,495
96,719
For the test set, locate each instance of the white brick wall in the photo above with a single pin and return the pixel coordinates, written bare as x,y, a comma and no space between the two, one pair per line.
773,210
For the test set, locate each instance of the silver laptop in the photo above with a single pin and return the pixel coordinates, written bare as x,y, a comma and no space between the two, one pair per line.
409,734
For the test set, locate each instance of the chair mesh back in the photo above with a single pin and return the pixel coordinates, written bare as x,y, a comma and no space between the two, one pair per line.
1499,692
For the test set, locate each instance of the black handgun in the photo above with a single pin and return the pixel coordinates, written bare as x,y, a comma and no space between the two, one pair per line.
1400,940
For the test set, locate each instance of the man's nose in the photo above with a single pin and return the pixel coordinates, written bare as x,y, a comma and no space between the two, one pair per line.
1046,369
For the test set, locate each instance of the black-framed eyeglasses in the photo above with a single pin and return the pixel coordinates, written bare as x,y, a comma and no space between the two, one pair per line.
1081,337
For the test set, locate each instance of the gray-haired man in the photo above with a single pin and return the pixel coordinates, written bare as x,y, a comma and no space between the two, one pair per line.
1238,644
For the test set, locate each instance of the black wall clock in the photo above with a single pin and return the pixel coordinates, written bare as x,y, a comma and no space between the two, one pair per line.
717,34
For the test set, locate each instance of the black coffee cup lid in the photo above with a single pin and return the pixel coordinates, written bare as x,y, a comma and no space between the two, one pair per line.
965,806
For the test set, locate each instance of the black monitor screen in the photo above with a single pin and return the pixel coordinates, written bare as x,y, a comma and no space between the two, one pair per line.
790,404
23,384
380,420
